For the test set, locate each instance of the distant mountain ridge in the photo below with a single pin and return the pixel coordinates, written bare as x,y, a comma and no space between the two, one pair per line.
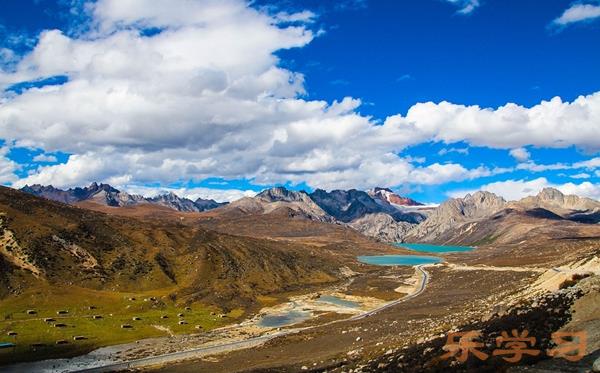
349,205
107,195
379,213
279,200
486,217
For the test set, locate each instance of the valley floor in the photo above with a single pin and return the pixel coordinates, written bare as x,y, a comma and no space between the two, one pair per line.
457,296
469,289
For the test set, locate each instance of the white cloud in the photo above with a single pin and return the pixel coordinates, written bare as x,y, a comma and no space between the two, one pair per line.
466,6
581,176
585,189
513,190
444,151
219,195
552,124
578,13
520,154
45,158
207,97
534,167
589,164
7,167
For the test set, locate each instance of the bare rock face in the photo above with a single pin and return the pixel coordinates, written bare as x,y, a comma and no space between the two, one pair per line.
567,206
173,201
456,212
347,205
382,227
280,199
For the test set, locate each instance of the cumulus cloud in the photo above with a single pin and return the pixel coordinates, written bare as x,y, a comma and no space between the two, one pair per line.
520,154
513,190
578,12
552,124
7,167
204,95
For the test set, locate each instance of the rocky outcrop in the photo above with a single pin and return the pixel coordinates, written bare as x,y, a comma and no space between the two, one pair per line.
382,227
454,213
570,207
280,200
483,218
99,193
348,205
171,200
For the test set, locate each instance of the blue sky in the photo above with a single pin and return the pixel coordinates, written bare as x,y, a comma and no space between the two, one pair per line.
389,55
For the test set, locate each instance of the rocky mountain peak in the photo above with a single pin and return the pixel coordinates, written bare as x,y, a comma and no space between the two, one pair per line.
484,198
551,194
564,205
386,195
281,194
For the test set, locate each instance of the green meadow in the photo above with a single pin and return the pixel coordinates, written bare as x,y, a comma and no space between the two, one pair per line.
38,339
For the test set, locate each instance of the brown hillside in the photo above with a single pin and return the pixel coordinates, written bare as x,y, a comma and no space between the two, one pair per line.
53,243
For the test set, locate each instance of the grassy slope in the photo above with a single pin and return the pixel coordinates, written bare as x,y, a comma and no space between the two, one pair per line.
178,264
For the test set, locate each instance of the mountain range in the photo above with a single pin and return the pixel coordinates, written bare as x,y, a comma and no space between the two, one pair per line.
379,213
106,195
484,218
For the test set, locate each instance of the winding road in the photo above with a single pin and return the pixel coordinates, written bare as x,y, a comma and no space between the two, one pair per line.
422,285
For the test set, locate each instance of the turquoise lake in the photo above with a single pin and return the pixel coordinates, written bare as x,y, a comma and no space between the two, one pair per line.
396,260
284,319
427,248
338,301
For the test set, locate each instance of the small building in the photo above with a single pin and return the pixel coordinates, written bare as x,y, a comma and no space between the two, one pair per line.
4,345
60,325
180,314
79,338
31,312
91,307
126,326
62,312
182,322
136,318
49,319
132,299
12,334
62,342
97,317
188,308
199,327
164,317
